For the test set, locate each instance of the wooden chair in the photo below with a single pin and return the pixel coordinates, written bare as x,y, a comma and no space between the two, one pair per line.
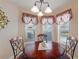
18,48
71,44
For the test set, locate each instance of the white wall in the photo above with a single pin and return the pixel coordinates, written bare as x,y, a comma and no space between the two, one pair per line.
10,31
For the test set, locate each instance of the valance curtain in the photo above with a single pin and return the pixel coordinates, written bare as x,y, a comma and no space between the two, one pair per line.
28,18
64,17
60,18
47,20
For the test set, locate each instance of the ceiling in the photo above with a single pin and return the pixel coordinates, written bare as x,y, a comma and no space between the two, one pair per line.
27,4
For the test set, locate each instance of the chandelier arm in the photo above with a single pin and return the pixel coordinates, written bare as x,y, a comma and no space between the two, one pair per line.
37,2
40,7
41,1
46,3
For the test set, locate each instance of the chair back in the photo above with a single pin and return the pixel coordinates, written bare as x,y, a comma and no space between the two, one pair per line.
42,37
17,46
71,44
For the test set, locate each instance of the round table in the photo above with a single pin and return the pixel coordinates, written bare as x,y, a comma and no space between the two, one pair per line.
55,50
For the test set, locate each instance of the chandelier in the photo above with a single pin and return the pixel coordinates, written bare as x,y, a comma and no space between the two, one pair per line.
39,10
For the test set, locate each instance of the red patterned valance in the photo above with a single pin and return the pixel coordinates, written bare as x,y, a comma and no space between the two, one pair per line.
28,18
60,18
64,17
47,20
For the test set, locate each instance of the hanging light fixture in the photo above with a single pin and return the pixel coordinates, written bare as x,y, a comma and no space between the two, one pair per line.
36,9
48,10
40,13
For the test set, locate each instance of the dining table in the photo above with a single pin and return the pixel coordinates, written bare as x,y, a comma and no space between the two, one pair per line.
53,51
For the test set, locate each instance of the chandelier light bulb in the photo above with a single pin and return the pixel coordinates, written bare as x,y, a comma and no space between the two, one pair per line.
40,13
35,9
48,10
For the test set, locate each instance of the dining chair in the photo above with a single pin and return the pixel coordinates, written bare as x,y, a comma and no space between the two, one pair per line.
18,48
71,44
42,37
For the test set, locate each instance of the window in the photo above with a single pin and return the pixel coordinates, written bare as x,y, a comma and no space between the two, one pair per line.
30,27
63,21
47,29
47,26
30,32
63,31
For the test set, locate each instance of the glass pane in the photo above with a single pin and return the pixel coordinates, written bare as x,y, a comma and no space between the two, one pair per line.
30,32
63,32
47,29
